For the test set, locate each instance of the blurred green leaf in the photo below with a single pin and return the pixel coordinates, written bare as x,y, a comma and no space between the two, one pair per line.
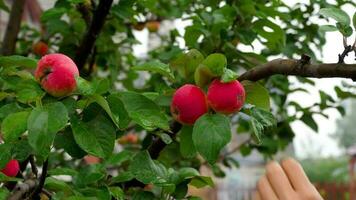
337,14
156,66
17,61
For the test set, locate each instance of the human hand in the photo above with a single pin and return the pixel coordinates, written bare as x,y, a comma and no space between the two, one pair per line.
285,181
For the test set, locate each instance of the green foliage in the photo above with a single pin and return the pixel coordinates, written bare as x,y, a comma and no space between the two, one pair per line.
114,98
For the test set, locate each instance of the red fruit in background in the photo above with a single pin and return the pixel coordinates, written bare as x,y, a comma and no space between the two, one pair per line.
56,73
40,48
12,168
188,104
226,98
128,138
89,159
153,26
139,26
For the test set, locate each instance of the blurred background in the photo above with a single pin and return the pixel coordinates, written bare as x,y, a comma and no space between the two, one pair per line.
326,152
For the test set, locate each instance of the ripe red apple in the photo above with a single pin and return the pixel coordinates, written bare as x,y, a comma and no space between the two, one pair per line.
226,98
153,26
188,104
12,168
40,48
56,73
128,138
89,159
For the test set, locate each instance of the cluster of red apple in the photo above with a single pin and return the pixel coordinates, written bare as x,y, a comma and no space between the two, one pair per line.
56,73
190,102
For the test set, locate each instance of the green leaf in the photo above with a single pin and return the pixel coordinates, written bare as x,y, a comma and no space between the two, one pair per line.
261,120
327,28
212,66
187,148
43,124
5,155
53,184
143,195
337,14
83,86
123,177
104,104
276,39
117,193
343,94
354,20
157,67
65,140
88,175
187,63
119,158
202,181
7,109
3,6
118,111
144,111
3,191
17,61
345,30
256,94
22,153
228,76
210,134
53,13
62,171
146,170
4,178
14,125
308,120
96,137
187,173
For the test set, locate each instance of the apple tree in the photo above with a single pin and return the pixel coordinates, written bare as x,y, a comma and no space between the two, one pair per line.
82,117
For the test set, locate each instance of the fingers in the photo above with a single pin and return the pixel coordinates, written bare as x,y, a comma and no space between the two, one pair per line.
279,180
265,191
296,175
257,196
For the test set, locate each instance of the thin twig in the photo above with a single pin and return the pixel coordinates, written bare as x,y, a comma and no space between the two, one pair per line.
33,165
346,51
42,180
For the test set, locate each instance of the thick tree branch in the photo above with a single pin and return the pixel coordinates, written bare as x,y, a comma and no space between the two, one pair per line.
87,44
13,28
22,189
294,67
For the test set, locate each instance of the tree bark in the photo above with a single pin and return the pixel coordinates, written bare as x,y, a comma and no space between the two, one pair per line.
87,44
13,28
294,67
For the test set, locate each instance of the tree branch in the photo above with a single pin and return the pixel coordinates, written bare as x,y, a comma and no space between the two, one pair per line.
40,185
13,28
158,145
23,189
294,67
87,44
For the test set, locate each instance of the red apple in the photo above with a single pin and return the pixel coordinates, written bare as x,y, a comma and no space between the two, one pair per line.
226,98
56,73
40,48
128,138
12,168
188,104
89,159
153,26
